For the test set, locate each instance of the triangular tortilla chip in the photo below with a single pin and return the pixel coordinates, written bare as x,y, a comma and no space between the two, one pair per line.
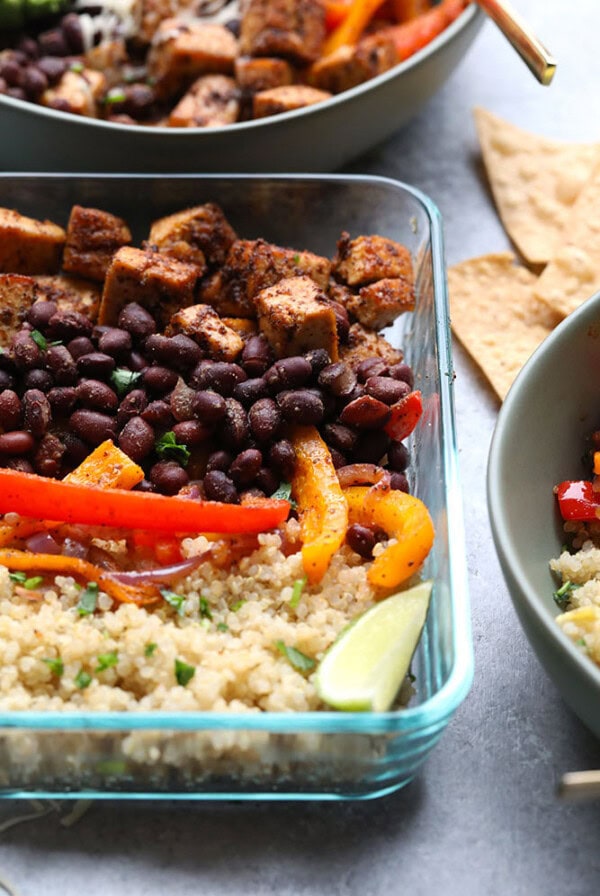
573,274
534,181
495,315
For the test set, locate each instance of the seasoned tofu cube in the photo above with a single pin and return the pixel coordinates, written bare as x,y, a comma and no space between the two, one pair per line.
285,99
369,258
77,92
211,102
378,304
152,12
296,316
351,65
183,50
363,344
70,294
243,326
17,295
255,74
93,237
294,29
202,324
200,236
28,246
160,284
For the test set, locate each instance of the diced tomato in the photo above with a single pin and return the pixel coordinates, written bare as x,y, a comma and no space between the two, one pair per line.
405,416
577,500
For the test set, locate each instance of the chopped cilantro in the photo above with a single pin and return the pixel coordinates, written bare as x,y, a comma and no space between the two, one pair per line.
39,339
168,448
83,679
562,595
297,592
284,493
237,605
150,648
107,661
222,627
581,642
88,600
176,601
32,583
204,608
116,95
296,259
55,665
183,672
76,67
124,380
19,577
295,657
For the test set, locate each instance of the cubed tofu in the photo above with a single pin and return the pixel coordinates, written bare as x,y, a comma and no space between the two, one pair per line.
77,92
28,246
93,237
200,236
243,326
255,73
351,65
363,344
211,102
369,258
17,295
285,99
160,284
183,50
378,304
296,316
150,14
108,57
293,29
202,324
71,294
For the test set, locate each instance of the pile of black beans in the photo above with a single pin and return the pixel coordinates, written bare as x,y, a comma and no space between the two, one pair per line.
67,385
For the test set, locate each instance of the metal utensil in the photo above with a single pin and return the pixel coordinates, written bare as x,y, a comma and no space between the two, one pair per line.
578,786
532,52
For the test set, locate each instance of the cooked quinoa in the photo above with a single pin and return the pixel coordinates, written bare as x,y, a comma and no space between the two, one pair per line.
580,575
225,640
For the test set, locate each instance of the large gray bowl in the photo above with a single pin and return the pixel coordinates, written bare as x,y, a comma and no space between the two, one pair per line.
538,442
318,138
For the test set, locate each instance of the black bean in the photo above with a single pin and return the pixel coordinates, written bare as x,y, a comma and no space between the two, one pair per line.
144,486
318,358
222,377
339,436
53,43
36,412
96,394
28,46
96,365
209,407
264,418
219,460
370,446
76,449
136,439
53,67
21,464
158,413
62,400
245,467
33,81
17,93
192,432
399,482
6,380
250,391
71,29
371,367
339,379
17,442
24,352
137,321
40,313
136,361
61,365
10,71
134,404
219,487
301,406
179,352
198,377
282,458
92,426
288,373
257,355
66,325
266,481
403,372
398,456
38,379
361,539
159,379
234,429
357,392
342,323
386,389
168,477
365,413
337,458
115,342
98,331
47,460
139,99
81,345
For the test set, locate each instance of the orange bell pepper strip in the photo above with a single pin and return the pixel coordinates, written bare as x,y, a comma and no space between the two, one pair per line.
596,463
36,496
350,30
335,13
321,503
23,561
415,34
404,518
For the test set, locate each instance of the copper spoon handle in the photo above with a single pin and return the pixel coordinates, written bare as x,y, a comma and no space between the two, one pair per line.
532,52
580,786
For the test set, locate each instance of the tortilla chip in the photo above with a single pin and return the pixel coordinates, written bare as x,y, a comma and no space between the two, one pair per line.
495,315
534,181
573,274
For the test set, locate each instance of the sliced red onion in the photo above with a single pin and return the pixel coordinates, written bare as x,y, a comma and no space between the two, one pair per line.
42,543
73,548
362,474
166,574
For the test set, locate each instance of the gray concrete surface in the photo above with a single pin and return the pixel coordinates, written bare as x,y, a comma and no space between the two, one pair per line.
482,816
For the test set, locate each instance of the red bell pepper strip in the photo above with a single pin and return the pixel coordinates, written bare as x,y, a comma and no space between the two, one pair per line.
411,36
42,498
577,500
405,416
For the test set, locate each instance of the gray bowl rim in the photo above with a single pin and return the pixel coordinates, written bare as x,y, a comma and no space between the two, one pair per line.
469,16
524,595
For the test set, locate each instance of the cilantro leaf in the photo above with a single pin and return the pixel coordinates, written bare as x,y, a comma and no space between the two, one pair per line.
83,679
124,380
55,664
168,448
184,672
174,600
150,648
295,657
88,600
107,661
237,605
39,339
562,595
284,493
222,627
116,95
297,590
19,577
32,583
204,608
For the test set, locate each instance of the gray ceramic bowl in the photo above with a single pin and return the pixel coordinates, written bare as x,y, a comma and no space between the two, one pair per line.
319,138
539,440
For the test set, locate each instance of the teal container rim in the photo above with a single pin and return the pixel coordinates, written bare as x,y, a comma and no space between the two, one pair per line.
434,712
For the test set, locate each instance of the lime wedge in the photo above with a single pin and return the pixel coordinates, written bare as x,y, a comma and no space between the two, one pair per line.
364,668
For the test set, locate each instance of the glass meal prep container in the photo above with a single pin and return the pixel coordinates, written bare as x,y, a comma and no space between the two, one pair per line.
266,755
